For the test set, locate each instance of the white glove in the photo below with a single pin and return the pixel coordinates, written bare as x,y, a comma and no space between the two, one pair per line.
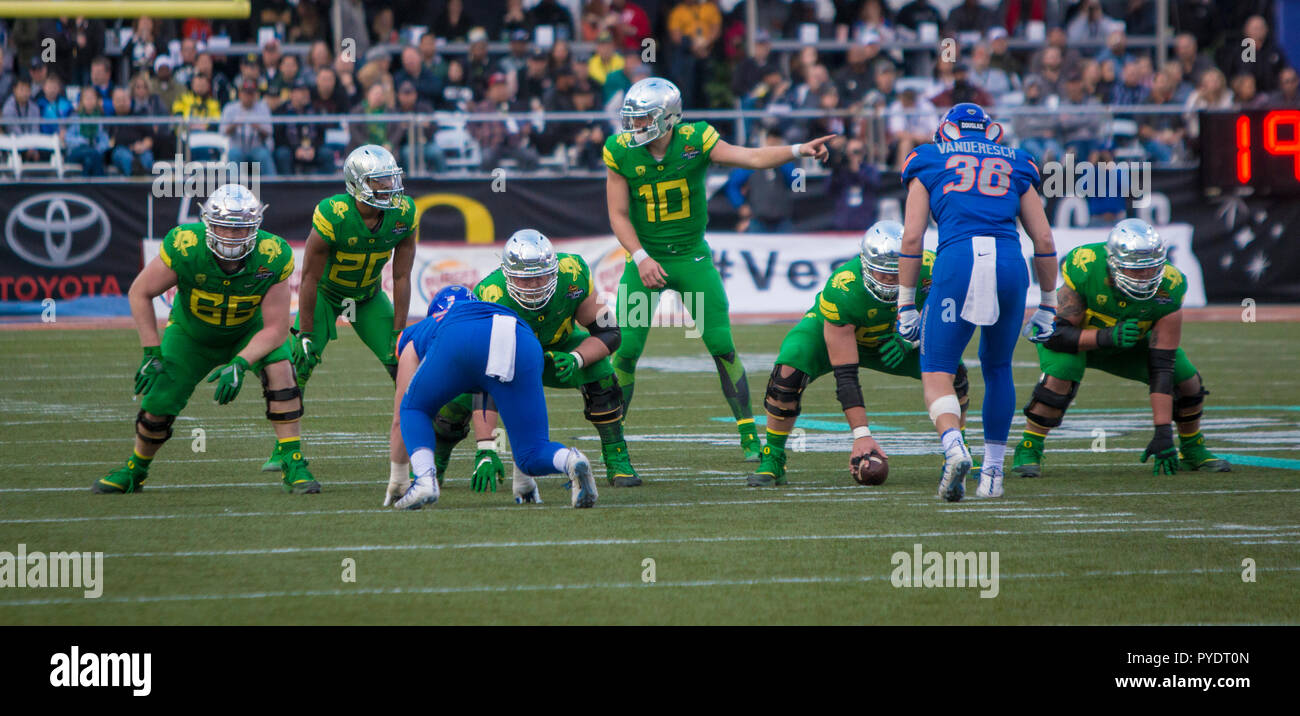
1044,319
399,481
909,323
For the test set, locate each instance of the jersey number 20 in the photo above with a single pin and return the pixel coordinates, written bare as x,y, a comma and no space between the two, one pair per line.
991,176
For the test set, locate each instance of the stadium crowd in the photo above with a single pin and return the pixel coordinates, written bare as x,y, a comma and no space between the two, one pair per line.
883,91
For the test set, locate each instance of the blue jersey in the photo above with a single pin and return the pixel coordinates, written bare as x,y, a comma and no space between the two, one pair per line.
975,186
423,333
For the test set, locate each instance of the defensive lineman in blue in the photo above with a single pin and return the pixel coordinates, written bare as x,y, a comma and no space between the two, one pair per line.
975,188
477,346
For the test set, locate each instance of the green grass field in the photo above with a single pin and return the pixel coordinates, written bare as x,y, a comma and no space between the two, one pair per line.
1097,540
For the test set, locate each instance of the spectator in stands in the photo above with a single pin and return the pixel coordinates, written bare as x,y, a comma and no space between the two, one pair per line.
1244,93
587,147
1015,15
144,103
198,104
804,95
1107,80
1288,92
828,100
1049,71
1090,25
764,198
38,71
478,65
912,121
561,57
1211,93
1140,17
502,139
327,97
53,104
351,26
221,86
1162,134
749,74
87,142
1079,124
318,57
456,94
619,81
184,69
376,101
515,17
917,13
250,70
1265,63
694,27
517,57
962,89
452,24
143,47
383,29
994,80
970,16
410,101
1000,55
1037,131
299,146
19,105
857,76
629,23
853,183
1130,90
132,144
164,84
427,85
533,80
871,17
550,12
345,76
1116,49
592,20
883,93
1189,58
1065,55
246,122
605,60
308,25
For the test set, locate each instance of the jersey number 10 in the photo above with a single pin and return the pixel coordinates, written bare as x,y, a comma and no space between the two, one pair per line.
991,176
648,192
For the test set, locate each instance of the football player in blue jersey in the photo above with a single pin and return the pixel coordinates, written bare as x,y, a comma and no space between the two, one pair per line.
480,347
975,188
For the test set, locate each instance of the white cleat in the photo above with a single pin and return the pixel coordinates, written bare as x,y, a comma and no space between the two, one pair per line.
582,485
424,491
525,488
396,488
990,482
952,483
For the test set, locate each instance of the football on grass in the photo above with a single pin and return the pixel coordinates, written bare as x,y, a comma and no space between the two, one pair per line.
871,470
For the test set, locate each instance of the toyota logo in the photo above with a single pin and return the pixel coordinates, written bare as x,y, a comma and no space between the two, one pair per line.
57,230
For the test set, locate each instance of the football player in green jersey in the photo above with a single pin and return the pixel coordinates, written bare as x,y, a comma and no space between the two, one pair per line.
1120,311
655,189
850,325
553,293
230,316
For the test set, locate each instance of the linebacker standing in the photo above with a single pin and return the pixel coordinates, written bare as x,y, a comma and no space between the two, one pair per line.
655,189
230,316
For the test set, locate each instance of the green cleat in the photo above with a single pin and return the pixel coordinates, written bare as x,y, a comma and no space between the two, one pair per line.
1196,458
298,479
275,463
618,467
120,481
1028,460
750,443
771,469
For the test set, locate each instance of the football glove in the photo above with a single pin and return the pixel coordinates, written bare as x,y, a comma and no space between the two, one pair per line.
229,379
894,350
304,354
909,322
488,471
1041,325
566,366
1162,449
1125,334
151,366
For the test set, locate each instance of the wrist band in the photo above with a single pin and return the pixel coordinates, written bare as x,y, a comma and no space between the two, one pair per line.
487,445
638,256
1045,256
906,296
794,149
862,431
1046,298
578,357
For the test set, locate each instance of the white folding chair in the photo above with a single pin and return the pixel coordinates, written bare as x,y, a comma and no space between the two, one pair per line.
460,149
44,142
209,140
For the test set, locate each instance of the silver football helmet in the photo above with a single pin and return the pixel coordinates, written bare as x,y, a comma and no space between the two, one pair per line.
651,108
372,177
531,267
879,251
231,217
1136,256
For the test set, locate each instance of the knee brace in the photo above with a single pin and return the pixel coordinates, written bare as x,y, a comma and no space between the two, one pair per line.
1052,399
785,390
287,416
961,386
602,400
1191,402
164,425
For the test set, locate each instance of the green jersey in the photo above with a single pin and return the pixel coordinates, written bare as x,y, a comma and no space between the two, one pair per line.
210,304
553,323
1085,271
668,203
357,254
846,300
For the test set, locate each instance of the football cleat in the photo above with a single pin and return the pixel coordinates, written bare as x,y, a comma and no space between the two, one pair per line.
750,444
119,481
1196,458
618,467
424,491
582,486
952,481
525,488
275,463
990,482
297,479
1027,461
771,469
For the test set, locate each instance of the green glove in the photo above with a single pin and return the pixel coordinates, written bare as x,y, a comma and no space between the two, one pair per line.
1162,449
566,365
304,354
231,377
487,465
1124,334
151,366
894,349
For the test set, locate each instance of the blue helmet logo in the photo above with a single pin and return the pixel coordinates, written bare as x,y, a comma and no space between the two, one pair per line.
446,298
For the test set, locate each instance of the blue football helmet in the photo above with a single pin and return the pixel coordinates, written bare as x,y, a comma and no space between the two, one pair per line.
967,119
446,298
